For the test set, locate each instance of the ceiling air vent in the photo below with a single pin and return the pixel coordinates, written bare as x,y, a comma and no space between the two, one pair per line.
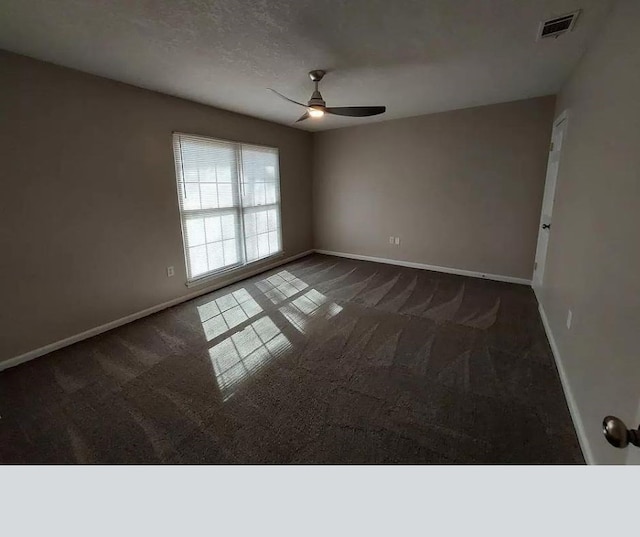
558,25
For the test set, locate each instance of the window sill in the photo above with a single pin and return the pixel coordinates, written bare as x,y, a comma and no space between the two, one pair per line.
230,272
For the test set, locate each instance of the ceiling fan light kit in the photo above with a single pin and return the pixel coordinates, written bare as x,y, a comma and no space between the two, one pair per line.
317,107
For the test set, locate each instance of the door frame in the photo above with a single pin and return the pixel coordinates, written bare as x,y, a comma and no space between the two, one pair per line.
563,117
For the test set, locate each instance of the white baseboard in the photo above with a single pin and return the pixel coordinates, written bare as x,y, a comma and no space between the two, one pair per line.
411,264
571,402
17,360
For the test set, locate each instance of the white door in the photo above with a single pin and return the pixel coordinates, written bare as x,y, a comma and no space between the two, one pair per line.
557,137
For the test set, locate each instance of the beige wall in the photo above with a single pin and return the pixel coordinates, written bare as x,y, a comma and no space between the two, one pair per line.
461,189
88,212
594,250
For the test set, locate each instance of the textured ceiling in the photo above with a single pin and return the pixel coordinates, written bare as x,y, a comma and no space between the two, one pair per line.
414,56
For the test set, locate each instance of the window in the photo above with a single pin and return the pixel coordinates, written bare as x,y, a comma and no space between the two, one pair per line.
229,197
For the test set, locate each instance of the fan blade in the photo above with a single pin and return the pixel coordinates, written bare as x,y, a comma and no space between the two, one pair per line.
356,111
286,98
303,117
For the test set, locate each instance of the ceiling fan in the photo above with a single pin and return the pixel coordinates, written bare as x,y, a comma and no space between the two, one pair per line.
317,107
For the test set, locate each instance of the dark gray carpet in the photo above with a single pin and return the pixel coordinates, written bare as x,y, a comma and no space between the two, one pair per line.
323,360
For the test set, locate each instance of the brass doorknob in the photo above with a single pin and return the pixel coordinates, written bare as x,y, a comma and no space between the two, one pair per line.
617,434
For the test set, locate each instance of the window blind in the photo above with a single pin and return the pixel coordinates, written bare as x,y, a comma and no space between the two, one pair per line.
229,199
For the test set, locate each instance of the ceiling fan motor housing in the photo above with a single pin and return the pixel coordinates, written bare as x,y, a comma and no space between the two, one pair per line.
316,99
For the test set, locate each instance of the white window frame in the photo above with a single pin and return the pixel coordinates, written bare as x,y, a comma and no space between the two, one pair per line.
239,210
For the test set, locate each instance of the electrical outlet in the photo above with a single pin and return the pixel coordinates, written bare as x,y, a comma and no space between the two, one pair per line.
569,319
392,240
397,241
170,272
